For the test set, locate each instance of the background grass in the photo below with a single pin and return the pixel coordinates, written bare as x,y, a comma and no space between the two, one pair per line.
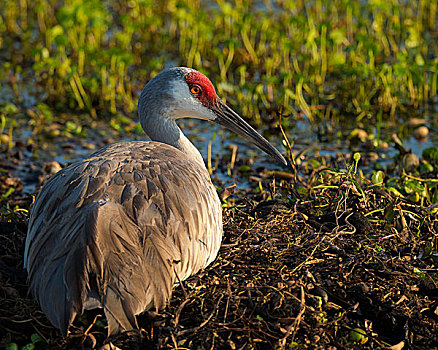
351,57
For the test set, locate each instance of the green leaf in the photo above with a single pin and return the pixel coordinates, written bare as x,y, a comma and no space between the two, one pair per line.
413,186
426,168
56,30
10,108
359,188
395,192
337,59
11,346
338,36
244,168
431,154
419,272
314,163
35,337
358,335
29,346
377,177
419,60
303,191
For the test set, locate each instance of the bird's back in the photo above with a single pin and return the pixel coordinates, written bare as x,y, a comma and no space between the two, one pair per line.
118,230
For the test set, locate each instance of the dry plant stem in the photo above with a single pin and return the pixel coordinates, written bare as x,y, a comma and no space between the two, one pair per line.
193,330
178,312
180,282
91,325
295,325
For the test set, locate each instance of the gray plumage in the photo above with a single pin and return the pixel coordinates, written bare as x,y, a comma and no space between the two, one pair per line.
119,229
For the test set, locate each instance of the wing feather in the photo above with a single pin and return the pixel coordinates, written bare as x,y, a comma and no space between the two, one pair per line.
115,231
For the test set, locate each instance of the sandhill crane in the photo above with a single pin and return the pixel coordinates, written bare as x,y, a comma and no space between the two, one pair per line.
119,229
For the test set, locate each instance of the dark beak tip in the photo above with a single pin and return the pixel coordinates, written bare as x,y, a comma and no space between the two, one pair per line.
226,117
279,157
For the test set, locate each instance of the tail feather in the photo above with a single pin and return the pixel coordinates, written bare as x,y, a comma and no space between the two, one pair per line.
54,301
120,317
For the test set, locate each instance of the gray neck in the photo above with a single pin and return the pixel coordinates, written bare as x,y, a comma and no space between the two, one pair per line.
163,128
158,109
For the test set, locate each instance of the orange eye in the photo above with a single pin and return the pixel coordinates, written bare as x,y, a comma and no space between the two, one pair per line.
195,90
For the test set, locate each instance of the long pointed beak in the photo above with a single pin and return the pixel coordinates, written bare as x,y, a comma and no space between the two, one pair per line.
226,117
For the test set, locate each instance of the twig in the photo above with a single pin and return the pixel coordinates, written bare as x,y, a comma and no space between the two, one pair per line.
294,326
180,282
195,329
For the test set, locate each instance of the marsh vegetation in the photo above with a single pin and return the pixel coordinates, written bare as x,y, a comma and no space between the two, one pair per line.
339,249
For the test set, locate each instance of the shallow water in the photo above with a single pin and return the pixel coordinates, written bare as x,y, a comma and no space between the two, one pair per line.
315,140
66,150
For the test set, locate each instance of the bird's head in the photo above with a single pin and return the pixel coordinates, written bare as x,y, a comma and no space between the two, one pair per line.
182,92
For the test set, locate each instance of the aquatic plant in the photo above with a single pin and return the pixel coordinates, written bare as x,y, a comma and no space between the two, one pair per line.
325,59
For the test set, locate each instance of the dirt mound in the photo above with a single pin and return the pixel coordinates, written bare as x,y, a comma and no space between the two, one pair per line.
288,275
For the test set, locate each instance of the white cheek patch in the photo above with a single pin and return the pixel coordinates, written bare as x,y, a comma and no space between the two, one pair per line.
186,105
